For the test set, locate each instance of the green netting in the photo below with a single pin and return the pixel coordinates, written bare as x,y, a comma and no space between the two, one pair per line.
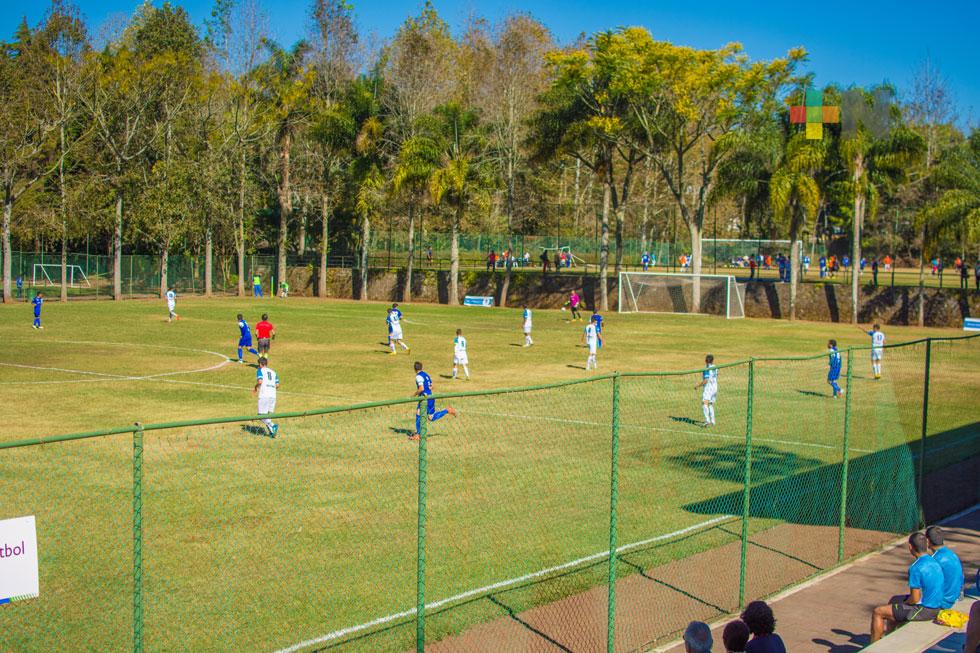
494,530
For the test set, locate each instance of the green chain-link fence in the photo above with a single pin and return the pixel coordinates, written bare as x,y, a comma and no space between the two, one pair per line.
494,530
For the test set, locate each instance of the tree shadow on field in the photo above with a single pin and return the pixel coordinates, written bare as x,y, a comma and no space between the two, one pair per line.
727,462
811,393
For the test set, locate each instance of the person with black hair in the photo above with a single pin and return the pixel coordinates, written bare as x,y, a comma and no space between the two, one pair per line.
762,624
951,566
925,596
735,636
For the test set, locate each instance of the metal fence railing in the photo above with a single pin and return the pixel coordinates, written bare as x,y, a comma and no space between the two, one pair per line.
595,514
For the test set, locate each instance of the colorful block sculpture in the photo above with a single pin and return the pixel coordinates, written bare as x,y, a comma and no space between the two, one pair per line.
814,114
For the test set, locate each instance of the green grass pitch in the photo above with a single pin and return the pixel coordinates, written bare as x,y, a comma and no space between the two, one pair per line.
252,543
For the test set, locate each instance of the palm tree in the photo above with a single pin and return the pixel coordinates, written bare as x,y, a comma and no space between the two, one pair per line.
461,174
795,197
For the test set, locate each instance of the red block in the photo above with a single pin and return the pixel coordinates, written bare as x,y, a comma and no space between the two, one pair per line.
797,115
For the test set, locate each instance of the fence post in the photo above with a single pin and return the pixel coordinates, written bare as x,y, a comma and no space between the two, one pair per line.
746,490
845,461
613,521
138,539
922,437
420,563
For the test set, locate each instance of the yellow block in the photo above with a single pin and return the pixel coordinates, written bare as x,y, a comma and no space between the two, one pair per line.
814,131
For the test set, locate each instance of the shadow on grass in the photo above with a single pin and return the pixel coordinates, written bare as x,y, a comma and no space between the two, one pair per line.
811,393
686,420
401,431
576,367
255,430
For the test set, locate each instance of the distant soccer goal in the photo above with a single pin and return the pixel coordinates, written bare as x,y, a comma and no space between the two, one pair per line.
664,292
44,274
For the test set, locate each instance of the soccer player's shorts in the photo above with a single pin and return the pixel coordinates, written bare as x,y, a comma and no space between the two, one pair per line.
267,405
396,333
709,394
833,377
171,306
461,359
245,342
592,348
902,611
527,327
430,406
876,354
264,344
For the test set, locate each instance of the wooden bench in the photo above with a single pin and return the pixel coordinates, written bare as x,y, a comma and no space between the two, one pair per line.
919,635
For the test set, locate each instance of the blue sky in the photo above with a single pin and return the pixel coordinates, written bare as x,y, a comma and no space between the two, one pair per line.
857,41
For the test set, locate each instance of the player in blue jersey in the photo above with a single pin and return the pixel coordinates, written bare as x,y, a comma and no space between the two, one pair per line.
833,372
598,326
37,301
709,389
395,330
245,339
423,388
527,326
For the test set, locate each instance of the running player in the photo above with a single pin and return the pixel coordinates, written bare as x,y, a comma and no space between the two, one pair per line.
598,326
266,385
527,327
423,388
833,372
172,305
709,386
877,349
395,326
394,307
460,357
265,332
37,301
591,338
245,338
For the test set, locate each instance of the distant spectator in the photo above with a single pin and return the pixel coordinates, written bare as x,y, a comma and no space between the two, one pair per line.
950,563
20,286
491,261
527,258
428,254
973,630
964,278
874,272
888,262
976,274
735,636
925,592
645,261
697,638
544,262
762,624
751,269
823,266
557,261
806,264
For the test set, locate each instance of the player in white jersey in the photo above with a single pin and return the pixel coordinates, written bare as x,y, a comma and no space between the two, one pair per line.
709,389
527,327
877,349
591,339
395,324
266,385
172,305
460,356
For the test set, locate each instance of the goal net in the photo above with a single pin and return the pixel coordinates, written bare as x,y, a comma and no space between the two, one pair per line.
49,274
663,292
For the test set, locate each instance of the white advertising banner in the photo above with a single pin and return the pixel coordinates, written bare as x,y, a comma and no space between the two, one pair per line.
18,559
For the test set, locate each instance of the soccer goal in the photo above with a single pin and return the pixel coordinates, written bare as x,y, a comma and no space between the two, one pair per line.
44,274
666,292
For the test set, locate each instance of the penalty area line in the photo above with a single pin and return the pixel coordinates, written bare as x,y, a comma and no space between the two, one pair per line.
350,630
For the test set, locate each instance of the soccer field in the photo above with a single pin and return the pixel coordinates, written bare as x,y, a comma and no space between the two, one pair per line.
260,544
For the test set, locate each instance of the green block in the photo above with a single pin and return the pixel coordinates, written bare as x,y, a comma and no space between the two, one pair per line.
814,98
814,114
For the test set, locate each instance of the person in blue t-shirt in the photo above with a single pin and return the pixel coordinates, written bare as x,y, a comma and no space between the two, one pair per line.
598,326
37,301
925,596
423,388
761,623
20,286
833,371
951,566
244,338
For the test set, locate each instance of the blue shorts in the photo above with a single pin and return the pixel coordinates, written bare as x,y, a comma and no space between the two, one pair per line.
430,406
833,377
245,342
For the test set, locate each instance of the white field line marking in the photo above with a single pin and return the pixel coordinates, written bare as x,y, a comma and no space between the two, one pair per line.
706,433
499,585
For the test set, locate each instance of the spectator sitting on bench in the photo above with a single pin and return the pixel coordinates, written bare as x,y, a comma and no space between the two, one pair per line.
697,638
735,636
951,566
762,624
925,592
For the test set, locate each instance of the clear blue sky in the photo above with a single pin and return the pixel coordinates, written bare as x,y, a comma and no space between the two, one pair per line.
856,41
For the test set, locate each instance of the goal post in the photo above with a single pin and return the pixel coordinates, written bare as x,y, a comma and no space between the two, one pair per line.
44,274
674,292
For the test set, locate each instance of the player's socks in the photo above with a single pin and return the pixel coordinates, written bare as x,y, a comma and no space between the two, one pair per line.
252,350
405,347
711,413
418,424
706,409
392,345
454,374
466,371
438,415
